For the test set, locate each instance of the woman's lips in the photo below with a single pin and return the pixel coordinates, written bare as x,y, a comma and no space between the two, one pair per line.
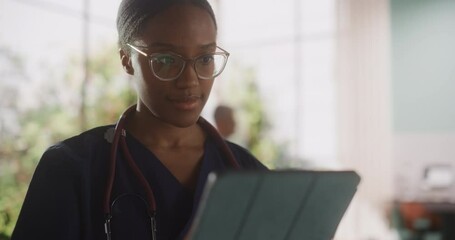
186,102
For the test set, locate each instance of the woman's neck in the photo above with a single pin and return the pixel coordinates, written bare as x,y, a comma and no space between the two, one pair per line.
154,133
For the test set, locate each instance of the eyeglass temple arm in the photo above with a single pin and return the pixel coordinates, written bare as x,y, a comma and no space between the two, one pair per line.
138,50
222,49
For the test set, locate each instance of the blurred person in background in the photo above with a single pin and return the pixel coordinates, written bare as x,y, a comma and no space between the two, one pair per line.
224,120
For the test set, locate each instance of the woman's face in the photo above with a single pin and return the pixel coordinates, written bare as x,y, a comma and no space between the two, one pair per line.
184,30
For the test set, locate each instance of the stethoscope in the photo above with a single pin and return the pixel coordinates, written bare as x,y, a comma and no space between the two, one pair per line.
120,138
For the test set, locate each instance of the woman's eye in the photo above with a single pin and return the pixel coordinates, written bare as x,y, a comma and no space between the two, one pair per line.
207,59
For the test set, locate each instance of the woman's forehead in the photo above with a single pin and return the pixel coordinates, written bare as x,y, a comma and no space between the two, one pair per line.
180,25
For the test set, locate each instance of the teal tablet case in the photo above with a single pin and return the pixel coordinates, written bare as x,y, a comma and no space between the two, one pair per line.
274,205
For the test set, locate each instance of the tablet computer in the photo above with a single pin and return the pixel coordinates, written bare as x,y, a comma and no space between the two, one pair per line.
284,204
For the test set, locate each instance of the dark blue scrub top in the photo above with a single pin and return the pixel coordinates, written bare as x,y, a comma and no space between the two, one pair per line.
64,200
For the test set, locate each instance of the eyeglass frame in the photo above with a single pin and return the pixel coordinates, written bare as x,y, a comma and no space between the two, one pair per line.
223,53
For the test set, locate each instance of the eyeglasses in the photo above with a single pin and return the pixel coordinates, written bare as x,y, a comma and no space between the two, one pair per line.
168,66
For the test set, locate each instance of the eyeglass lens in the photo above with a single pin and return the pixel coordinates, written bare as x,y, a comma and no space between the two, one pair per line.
168,66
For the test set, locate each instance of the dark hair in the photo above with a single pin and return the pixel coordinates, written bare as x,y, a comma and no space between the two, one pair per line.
133,14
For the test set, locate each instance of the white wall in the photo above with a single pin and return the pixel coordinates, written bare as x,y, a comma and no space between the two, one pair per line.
423,37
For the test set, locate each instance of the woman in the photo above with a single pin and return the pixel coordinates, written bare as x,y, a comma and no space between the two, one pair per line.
78,190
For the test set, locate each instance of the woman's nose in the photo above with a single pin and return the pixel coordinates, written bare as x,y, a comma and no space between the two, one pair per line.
188,78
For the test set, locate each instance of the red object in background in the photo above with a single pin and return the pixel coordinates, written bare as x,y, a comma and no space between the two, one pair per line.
412,212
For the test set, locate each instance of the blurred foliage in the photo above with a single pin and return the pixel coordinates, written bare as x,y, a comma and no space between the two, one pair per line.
251,116
53,118
110,92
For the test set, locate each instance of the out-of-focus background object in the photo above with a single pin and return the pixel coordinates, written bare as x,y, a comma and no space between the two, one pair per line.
366,85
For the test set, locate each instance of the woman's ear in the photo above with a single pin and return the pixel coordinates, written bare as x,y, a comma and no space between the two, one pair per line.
126,62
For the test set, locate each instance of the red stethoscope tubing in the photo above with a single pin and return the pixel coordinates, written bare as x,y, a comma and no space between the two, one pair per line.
119,138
